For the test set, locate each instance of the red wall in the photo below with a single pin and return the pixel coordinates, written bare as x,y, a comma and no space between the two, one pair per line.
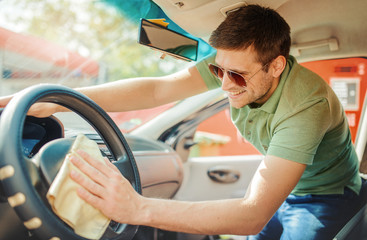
347,71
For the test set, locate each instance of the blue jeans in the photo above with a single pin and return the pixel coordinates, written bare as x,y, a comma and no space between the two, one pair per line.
312,217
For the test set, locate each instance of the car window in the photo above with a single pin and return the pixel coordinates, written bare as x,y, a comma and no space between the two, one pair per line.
75,43
217,135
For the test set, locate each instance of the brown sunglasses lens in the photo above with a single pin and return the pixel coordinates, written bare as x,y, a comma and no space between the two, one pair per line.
234,77
238,79
216,71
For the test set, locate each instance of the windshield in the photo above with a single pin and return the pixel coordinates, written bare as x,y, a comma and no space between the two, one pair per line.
76,43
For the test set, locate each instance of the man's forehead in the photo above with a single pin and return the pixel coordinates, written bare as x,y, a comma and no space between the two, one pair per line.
236,59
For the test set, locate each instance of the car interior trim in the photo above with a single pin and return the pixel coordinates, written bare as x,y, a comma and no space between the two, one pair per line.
33,223
6,172
332,43
17,199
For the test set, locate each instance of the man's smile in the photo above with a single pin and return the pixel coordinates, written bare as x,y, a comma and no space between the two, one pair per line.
235,93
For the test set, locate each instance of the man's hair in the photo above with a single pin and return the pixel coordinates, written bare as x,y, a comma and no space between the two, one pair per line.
261,27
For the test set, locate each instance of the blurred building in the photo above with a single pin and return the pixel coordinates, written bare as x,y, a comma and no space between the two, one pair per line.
27,60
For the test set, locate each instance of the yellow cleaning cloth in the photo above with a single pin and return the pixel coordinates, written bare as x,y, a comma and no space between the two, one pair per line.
86,220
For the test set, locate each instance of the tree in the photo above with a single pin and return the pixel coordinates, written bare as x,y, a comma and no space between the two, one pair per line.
91,28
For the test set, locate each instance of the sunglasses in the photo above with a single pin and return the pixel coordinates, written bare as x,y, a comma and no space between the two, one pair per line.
235,77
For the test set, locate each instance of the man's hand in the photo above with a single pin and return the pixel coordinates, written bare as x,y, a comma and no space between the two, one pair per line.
40,110
5,100
106,190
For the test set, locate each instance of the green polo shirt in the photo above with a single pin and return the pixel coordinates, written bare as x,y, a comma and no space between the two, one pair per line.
303,121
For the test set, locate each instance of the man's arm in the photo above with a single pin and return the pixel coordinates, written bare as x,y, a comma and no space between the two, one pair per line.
114,196
132,94
141,93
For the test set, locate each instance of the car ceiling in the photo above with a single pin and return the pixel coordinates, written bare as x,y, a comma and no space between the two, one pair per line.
320,29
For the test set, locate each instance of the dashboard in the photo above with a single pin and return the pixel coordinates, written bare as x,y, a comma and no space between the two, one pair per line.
39,131
160,167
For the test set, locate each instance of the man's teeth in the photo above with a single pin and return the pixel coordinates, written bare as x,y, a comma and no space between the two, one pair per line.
237,92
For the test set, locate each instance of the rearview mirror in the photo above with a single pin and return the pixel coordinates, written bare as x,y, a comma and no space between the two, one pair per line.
167,41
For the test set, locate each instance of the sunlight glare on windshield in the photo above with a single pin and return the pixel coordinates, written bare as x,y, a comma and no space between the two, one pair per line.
71,43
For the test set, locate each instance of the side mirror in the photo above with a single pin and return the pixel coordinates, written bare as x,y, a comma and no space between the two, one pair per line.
167,41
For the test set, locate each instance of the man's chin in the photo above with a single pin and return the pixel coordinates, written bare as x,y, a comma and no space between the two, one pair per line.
236,104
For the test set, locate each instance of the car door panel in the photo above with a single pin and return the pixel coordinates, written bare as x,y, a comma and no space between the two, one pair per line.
198,185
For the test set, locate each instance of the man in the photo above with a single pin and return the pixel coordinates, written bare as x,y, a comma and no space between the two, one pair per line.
306,187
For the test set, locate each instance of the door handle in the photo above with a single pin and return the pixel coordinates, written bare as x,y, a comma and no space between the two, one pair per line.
223,174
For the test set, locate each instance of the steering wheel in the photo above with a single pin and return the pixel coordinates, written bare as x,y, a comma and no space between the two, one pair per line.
20,176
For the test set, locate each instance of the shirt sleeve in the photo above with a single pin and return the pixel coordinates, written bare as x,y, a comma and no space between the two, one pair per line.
298,136
211,81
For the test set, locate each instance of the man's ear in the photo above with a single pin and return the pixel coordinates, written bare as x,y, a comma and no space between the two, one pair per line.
278,65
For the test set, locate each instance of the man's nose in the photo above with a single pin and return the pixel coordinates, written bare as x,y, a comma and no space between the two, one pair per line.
227,83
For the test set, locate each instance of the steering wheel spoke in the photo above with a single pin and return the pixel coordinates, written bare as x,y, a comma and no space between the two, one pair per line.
34,174
123,166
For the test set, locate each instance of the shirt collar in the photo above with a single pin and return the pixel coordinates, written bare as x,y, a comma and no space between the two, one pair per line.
272,103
